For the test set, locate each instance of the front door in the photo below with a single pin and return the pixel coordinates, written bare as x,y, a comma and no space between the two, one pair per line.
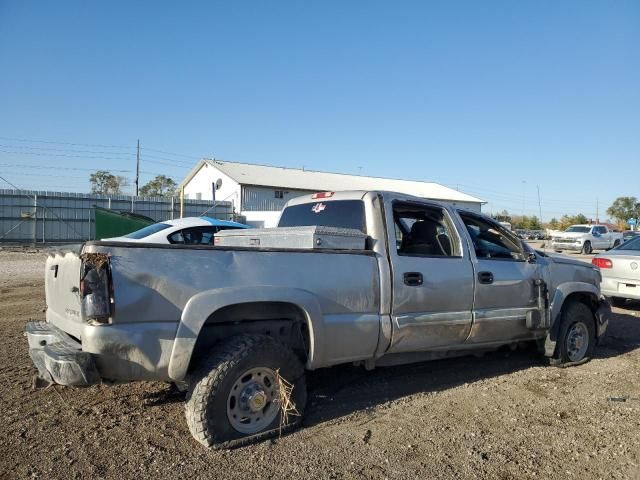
432,278
506,287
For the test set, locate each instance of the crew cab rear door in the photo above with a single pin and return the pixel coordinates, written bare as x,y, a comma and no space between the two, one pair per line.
432,277
602,238
506,287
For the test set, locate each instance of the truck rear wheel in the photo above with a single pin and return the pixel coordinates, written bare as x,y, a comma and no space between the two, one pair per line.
576,340
236,395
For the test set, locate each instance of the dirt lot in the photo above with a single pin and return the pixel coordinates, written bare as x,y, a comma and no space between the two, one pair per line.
505,415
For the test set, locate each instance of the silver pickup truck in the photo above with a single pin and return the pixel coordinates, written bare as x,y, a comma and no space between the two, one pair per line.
382,279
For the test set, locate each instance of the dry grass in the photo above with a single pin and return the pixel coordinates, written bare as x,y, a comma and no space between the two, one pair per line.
287,406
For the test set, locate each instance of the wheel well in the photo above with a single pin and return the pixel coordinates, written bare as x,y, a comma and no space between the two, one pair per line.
589,299
283,321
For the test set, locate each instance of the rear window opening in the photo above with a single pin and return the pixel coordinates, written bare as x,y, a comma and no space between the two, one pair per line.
146,231
337,213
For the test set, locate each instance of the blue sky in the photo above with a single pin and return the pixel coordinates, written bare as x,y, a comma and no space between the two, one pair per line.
494,97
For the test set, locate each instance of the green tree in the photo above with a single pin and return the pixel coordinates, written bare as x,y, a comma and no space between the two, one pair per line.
553,224
503,216
106,183
161,186
624,208
566,221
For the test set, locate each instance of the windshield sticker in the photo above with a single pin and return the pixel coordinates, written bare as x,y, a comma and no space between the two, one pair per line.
318,207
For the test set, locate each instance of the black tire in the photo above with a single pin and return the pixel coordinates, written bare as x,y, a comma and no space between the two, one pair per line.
616,243
586,248
575,314
617,301
211,383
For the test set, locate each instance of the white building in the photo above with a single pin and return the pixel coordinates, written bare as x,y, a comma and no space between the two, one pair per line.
259,192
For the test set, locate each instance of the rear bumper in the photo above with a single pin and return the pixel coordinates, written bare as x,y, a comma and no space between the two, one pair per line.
58,357
114,353
610,287
603,313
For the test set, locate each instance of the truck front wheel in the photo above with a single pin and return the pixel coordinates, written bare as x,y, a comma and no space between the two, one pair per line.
250,388
587,248
576,339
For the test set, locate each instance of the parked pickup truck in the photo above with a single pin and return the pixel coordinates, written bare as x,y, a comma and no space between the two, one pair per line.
382,279
586,239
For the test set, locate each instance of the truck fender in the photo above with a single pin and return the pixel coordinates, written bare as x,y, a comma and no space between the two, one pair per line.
559,297
202,305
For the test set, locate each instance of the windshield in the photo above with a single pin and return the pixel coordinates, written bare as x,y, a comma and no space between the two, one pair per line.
146,231
633,244
579,229
339,213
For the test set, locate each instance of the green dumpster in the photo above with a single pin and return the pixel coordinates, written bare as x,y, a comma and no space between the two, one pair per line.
111,223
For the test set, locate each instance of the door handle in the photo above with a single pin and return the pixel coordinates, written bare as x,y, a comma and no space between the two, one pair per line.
413,279
485,277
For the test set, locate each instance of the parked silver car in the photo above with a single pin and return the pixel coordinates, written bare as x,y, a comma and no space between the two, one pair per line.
620,269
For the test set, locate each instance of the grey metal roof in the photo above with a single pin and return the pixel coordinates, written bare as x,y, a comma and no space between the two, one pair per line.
299,179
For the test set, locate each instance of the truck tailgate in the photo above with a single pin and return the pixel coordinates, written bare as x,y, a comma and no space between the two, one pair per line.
62,281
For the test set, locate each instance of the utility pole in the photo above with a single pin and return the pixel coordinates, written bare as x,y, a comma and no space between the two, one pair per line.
539,204
137,167
597,210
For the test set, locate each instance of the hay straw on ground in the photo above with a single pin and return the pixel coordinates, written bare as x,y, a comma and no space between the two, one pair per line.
287,406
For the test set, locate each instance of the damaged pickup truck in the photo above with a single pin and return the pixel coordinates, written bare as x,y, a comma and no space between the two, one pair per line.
370,278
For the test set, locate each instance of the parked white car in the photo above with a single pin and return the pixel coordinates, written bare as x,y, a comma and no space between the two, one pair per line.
586,239
620,270
189,230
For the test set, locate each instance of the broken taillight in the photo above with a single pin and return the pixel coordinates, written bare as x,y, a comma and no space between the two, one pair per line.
95,288
602,262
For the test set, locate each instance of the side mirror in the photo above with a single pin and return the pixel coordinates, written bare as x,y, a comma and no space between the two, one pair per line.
531,257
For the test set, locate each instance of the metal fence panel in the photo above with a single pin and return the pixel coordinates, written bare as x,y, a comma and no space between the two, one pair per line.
30,216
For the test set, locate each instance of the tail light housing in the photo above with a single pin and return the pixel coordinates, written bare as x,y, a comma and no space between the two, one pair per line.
318,195
95,288
602,262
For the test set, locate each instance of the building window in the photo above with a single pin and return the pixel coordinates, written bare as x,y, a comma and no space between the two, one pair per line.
278,194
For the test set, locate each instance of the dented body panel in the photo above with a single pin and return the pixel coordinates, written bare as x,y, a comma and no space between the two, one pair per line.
347,305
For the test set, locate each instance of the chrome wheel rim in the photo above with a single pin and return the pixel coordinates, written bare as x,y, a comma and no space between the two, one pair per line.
577,341
251,405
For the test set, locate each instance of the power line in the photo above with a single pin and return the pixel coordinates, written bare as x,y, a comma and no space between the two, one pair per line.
65,150
20,165
64,143
144,159
18,174
169,153
62,155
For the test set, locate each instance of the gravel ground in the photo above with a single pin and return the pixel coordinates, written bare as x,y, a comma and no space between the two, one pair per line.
19,266
506,415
